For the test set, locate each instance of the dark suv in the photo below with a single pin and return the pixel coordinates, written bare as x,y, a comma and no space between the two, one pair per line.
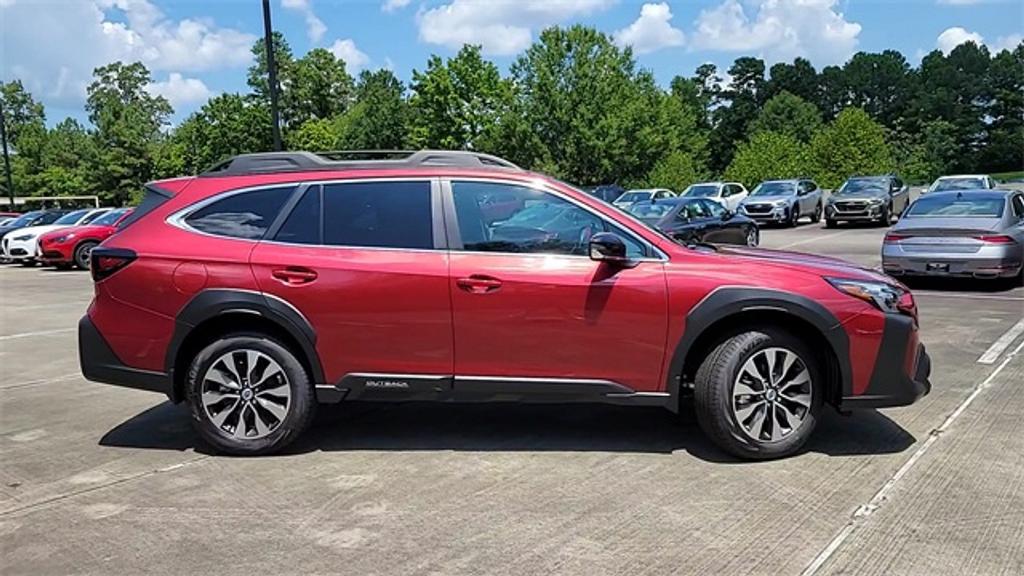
276,281
867,199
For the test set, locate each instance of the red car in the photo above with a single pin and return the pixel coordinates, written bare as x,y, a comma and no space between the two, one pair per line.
71,246
276,281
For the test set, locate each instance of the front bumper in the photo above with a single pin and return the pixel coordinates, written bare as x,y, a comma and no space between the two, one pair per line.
902,369
20,249
867,212
777,215
54,253
100,364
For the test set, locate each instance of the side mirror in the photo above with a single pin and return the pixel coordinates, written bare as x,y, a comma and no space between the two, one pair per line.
608,247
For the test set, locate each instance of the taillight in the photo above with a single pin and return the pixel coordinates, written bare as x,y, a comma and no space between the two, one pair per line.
105,261
995,239
894,237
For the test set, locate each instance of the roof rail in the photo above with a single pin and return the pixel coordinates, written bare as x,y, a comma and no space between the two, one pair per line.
274,162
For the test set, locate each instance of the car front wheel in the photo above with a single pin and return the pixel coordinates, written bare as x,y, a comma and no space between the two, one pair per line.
752,237
817,214
249,395
758,394
82,253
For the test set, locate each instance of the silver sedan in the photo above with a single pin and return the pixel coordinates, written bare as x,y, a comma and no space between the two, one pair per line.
977,234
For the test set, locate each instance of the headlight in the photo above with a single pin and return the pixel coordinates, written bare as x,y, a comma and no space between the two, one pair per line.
65,238
780,203
875,201
22,238
885,297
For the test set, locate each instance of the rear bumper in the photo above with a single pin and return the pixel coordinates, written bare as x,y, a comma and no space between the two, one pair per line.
902,369
951,266
100,364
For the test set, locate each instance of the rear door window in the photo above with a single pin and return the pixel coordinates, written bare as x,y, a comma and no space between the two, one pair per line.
384,214
304,224
245,215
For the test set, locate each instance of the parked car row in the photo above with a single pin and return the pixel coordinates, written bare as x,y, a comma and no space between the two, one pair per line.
58,237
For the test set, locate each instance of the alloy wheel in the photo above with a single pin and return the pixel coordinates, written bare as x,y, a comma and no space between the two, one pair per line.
771,397
751,237
246,394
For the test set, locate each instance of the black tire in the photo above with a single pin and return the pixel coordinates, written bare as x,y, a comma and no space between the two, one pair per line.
830,223
713,394
794,217
82,252
752,237
300,410
817,214
62,266
886,218
28,263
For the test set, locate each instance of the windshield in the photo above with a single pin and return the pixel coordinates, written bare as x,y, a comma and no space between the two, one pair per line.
957,206
650,211
24,219
701,191
958,184
774,189
109,218
636,196
861,185
72,217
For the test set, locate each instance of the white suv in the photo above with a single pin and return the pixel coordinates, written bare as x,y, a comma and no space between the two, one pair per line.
728,194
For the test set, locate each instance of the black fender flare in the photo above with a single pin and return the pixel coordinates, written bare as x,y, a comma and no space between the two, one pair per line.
210,303
728,301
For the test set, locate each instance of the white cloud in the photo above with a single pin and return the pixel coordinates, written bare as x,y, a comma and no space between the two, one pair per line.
315,27
86,34
1007,43
950,38
500,26
651,31
392,5
346,50
955,36
180,91
779,30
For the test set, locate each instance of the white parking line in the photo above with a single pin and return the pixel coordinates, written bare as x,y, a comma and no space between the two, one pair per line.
814,239
40,333
882,495
1004,341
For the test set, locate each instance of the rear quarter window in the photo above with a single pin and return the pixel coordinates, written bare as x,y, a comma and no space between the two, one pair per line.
246,215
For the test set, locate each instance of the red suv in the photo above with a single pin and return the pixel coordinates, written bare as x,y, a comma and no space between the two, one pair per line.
276,281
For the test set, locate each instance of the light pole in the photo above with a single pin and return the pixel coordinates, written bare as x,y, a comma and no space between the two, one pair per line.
7,156
268,40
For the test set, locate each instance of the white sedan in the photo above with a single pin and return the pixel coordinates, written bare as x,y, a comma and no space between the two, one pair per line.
22,245
728,194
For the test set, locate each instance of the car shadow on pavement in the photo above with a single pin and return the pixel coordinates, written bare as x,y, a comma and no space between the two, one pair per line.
959,284
512,428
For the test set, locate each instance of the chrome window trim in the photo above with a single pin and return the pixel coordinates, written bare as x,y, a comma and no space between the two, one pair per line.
177,218
541,186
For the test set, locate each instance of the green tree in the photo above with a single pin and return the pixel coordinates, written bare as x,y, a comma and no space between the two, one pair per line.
881,84
68,161
926,156
1003,148
226,125
798,78
853,144
732,123
675,171
25,122
378,120
768,156
588,116
319,134
459,103
320,87
788,114
128,120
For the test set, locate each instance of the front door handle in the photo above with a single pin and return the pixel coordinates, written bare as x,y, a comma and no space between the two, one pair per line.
478,284
293,275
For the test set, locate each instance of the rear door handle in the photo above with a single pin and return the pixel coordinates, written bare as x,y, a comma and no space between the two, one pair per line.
478,284
293,275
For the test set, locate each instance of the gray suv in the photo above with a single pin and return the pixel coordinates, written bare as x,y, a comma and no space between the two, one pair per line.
783,202
867,199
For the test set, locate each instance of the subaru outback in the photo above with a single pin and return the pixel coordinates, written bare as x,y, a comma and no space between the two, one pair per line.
274,282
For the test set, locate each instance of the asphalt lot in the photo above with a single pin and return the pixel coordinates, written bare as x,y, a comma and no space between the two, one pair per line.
97,479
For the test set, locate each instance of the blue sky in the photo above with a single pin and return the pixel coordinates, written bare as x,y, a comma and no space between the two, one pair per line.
198,48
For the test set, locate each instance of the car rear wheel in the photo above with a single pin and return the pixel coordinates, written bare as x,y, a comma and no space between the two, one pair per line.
758,394
82,253
830,223
249,395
